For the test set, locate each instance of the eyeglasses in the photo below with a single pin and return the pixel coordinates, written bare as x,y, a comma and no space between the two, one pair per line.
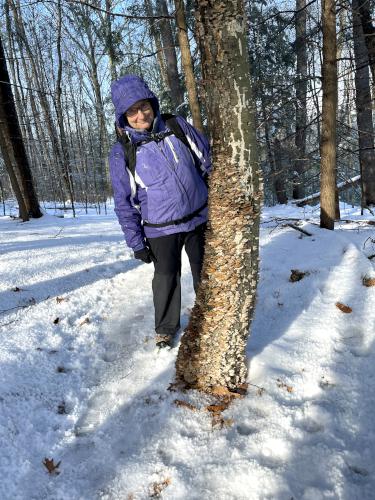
133,110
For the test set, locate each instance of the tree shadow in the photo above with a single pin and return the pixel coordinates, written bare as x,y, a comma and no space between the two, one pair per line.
328,449
288,300
42,290
118,414
51,242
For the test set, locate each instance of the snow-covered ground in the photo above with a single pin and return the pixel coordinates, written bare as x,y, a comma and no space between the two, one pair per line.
81,382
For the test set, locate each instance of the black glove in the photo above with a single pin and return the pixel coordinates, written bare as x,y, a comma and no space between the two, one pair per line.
143,255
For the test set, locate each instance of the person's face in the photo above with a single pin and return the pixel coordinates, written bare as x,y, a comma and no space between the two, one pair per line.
141,115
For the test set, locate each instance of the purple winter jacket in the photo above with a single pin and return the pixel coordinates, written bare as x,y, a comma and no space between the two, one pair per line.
166,185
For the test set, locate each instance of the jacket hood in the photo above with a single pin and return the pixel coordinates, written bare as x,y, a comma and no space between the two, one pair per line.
126,91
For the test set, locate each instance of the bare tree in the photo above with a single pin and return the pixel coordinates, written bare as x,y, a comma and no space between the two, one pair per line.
364,110
187,64
177,93
13,149
155,34
329,110
301,99
212,351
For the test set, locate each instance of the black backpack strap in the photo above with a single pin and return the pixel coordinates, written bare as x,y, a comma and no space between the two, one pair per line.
130,151
172,124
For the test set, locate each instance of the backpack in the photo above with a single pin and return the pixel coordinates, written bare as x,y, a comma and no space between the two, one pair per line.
130,149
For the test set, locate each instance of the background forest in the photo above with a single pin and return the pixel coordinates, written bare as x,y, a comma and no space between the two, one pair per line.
61,57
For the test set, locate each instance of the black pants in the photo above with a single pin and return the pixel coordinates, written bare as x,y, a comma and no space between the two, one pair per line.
166,285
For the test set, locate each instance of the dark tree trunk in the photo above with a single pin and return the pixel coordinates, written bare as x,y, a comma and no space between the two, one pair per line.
279,176
301,99
364,110
364,9
12,141
177,93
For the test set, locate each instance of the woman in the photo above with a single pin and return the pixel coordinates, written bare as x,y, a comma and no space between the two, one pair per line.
158,169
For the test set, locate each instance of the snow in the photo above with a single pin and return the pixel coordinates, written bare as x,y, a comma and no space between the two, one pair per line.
81,381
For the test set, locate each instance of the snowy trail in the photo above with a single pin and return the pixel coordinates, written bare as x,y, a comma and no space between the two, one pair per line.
81,381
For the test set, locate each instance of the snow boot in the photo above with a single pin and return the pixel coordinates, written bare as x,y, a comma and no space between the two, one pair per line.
163,340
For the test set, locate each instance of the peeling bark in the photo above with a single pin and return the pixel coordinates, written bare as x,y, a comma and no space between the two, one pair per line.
212,351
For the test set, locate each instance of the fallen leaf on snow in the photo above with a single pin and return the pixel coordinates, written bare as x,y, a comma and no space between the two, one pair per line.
60,299
185,404
61,409
61,369
297,275
219,421
217,408
220,391
343,308
157,488
51,466
368,281
283,385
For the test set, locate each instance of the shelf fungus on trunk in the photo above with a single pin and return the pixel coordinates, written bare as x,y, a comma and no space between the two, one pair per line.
212,351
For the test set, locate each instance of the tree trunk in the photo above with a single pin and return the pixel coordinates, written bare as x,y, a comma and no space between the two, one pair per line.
212,351
364,110
187,64
109,40
13,143
279,177
177,93
36,82
329,110
100,115
59,111
155,34
301,99
364,9
11,171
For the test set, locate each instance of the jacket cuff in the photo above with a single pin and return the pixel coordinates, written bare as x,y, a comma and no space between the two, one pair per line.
141,246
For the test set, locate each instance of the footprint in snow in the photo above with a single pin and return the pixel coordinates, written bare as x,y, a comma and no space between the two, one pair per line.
310,425
353,338
246,430
312,418
98,406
